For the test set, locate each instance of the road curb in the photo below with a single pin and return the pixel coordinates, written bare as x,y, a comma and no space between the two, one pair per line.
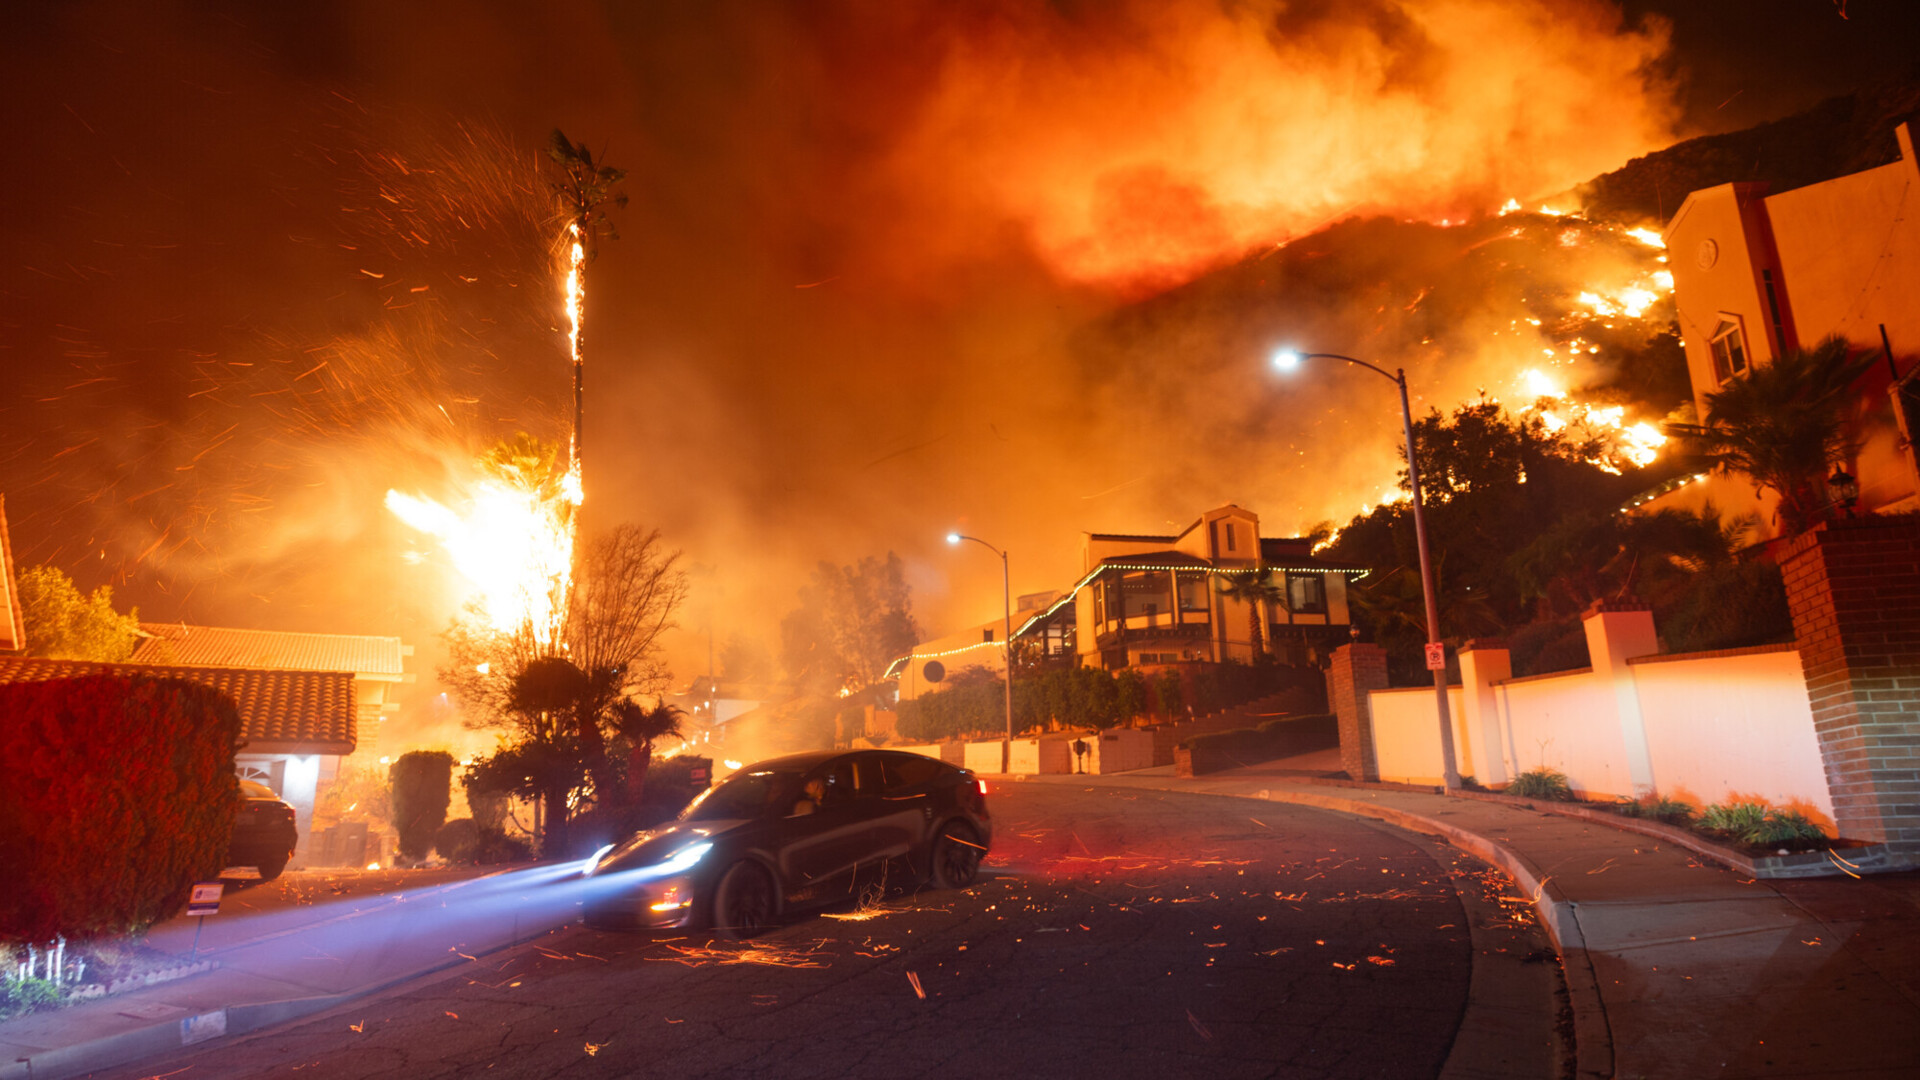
1592,1032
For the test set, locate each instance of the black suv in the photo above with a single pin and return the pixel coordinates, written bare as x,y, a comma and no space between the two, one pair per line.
264,835
804,830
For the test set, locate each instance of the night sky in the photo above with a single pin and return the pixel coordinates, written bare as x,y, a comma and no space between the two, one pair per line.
264,262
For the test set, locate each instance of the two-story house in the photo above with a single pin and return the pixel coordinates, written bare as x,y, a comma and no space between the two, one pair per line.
1146,600
1756,275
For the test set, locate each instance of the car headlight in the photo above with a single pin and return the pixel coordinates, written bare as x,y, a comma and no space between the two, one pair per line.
594,861
684,859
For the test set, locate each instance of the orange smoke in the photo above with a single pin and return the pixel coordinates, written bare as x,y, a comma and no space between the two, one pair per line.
1146,148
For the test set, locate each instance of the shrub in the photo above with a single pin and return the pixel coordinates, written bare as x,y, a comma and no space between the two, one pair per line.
1727,607
458,840
1658,808
21,996
119,794
1541,783
497,847
1760,825
421,786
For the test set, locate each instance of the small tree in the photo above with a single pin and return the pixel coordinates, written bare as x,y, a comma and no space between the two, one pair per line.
420,786
64,624
1253,590
1784,424
641,727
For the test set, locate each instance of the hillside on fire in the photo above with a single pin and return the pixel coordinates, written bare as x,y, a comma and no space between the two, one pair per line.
1541,345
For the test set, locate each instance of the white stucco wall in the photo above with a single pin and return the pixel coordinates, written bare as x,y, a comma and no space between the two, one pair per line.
1734,727
1406,735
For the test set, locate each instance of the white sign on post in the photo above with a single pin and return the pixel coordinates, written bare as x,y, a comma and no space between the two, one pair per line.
1436,656
205,898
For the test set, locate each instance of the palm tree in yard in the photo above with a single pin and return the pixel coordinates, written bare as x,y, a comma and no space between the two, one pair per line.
1785,425
642,726
1252,590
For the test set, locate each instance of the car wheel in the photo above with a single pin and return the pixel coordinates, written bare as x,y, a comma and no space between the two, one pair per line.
271,868
744,903
956,856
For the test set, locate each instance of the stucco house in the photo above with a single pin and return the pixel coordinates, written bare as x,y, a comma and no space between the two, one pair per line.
294,725
372,665
1145,601
1756,274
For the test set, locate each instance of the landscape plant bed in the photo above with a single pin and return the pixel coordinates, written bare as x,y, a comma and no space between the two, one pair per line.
93,969
1826,858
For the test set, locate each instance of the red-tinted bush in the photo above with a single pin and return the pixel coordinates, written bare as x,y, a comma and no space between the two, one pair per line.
116,794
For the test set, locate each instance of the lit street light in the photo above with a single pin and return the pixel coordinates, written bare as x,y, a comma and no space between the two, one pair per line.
1286,360
1006,596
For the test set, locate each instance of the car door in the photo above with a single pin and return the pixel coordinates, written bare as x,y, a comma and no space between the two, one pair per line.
820,850
906,811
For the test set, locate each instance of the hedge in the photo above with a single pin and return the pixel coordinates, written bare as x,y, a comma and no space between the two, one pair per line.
421,783
120,793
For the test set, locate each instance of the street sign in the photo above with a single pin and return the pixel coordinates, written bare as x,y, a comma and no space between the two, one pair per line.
205,898
1436,656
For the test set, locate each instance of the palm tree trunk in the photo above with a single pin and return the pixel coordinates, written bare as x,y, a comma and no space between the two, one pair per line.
639,759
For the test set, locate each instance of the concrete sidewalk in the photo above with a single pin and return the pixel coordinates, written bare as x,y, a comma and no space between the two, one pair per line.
283,965
1675,966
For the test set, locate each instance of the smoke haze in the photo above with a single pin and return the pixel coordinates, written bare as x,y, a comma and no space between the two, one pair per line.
888,269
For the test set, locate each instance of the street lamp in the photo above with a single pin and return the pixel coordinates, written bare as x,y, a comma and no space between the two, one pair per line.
1286,360
1006,596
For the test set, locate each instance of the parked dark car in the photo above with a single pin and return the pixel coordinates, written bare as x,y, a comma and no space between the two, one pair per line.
796,832
264,834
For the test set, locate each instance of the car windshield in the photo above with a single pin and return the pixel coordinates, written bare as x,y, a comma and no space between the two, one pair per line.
253,789
744,795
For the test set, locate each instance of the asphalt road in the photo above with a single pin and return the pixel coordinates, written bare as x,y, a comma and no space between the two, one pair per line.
1112,933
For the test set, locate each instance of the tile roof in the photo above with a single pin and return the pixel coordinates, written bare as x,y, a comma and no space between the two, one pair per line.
309,712
216,646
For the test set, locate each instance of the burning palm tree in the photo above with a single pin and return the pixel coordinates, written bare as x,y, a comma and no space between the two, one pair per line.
584,189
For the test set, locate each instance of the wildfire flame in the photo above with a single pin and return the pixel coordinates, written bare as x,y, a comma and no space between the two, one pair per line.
513,542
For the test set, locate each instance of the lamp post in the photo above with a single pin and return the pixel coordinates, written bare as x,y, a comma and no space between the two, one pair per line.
1006,596
1450,771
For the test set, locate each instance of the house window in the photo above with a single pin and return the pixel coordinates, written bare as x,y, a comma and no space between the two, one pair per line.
1193,592
1729,350
1213,538
1306,594
986,636
1229,536
271,773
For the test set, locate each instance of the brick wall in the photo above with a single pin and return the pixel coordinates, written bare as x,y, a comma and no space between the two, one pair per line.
1356,670
1853,587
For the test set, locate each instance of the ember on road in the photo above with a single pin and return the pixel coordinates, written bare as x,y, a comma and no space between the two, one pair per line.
1113,932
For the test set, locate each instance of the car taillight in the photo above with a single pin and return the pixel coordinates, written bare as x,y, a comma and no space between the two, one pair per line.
982,785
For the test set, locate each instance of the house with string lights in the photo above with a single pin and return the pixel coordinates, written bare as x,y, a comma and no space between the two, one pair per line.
1149,601
932,663
1758,274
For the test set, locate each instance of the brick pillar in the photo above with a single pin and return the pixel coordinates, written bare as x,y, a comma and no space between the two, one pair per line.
1356,669
1853,587
1483,662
